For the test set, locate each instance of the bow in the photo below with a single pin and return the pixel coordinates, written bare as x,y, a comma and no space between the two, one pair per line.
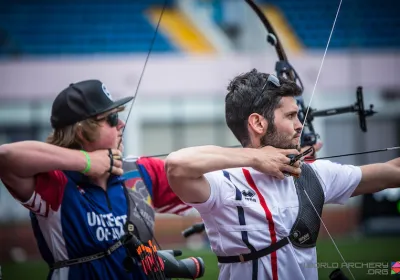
306,115
309,137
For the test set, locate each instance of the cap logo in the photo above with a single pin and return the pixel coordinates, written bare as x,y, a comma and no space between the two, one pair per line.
106,92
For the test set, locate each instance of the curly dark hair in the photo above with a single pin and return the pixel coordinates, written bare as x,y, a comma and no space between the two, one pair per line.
245,97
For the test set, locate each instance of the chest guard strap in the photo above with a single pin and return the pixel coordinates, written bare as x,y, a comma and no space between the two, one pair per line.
305,230
141,215
304,233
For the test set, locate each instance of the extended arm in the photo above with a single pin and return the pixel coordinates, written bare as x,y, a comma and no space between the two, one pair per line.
379,176
21,161
186,168
394,162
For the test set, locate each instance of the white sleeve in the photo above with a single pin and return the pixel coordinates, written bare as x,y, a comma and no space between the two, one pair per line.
339,181
215,180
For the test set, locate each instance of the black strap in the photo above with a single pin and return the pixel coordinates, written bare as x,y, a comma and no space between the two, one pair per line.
110,154
254,255
100,255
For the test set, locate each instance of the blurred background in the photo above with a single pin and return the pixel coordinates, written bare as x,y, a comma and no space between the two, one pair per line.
201,45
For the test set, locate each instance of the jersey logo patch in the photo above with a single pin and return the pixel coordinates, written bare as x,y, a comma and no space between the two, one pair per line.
249,195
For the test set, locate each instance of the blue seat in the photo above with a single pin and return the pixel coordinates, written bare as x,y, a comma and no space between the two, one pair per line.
361,23
73,27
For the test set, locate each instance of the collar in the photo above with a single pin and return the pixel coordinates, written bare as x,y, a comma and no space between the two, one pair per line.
82,179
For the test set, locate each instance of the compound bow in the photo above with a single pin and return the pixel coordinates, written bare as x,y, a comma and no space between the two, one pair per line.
306,116
284,69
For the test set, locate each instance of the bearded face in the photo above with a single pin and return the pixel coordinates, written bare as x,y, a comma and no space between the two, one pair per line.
280,140
285,129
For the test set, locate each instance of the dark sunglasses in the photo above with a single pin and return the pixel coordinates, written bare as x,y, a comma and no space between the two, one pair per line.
112,119
272,80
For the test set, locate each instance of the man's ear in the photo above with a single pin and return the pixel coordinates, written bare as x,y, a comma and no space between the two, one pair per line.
257,124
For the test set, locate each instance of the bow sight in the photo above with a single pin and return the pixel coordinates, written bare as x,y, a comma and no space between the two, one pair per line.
309,137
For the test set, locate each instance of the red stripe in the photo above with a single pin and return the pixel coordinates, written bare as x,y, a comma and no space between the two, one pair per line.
309,159
182,210
271,225
167,208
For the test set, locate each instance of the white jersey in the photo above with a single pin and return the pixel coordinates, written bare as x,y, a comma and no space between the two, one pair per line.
265,212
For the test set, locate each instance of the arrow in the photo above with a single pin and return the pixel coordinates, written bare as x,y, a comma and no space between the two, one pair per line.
362,153
327,157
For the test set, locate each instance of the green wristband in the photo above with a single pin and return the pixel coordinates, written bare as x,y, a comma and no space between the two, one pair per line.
87,162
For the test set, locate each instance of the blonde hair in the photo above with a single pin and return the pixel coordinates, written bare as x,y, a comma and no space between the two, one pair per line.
71,135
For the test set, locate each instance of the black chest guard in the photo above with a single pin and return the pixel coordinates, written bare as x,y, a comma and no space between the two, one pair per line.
305,230
141,215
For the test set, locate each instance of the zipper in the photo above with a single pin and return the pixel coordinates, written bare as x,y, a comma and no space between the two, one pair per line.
108,201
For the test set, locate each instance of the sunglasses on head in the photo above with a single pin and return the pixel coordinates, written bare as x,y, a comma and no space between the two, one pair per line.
112,119
272,80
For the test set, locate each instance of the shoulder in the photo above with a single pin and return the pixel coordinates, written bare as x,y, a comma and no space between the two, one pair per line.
228,176
145,161
52,177
325,167
219,174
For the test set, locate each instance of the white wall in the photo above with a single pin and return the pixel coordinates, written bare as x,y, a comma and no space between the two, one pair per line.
192,75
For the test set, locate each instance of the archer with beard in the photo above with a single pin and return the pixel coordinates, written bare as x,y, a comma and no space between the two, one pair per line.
261,223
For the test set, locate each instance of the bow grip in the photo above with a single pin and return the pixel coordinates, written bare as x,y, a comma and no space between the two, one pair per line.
292,159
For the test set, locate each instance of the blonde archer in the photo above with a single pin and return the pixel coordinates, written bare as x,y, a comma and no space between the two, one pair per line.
73,136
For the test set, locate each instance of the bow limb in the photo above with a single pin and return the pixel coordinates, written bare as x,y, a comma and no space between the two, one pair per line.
283,66
274,38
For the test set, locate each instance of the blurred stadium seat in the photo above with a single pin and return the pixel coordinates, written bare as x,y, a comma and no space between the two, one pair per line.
85,27
363,24
78,27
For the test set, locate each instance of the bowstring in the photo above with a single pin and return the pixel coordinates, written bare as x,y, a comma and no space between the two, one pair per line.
159,274
144,67
320,67
304,121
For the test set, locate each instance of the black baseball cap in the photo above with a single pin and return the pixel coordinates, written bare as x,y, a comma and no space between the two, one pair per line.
81,101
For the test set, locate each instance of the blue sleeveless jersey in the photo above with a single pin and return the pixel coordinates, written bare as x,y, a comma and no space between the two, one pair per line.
73,218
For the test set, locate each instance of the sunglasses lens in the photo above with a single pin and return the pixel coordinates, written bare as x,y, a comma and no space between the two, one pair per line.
274,80
112,119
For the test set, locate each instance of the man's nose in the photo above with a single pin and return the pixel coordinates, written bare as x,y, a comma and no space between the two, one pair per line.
298,125
121,124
